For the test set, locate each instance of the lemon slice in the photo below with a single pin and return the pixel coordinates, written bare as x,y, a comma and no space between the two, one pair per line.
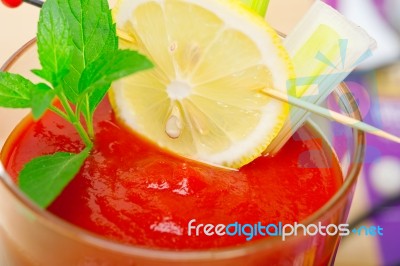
203,99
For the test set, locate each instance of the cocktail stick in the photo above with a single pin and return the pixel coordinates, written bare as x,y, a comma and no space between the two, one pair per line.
332,115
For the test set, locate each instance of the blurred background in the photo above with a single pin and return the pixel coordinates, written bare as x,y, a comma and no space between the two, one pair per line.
376,85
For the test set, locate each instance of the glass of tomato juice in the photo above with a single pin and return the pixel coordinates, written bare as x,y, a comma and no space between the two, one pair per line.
34,236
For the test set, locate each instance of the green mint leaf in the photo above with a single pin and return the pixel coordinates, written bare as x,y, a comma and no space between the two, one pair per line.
44,74
42,97
15,91
45,177
112,67
93,33
54,43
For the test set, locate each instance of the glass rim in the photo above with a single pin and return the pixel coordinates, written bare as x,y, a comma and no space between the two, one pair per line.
69,230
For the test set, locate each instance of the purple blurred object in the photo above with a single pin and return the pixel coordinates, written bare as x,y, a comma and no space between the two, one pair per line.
380,5
332,3
382,161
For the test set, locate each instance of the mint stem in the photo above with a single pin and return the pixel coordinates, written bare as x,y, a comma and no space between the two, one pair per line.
59,112
90,126
89,118
72,117
82,108
259,6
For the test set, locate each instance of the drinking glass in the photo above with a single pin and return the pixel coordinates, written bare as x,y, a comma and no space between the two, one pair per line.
30,235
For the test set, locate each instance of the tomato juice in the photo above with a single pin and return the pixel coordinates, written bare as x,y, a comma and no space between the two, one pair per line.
131,191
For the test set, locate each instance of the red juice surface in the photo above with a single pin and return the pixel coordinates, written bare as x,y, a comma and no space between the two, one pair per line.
131,191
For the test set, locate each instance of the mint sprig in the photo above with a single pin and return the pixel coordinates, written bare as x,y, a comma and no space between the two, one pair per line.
94,37
79,57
